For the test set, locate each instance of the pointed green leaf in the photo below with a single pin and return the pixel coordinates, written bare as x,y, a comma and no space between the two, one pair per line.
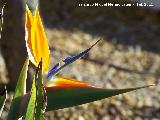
66,92
32,103
21,84
19,91
15,109
39,95
34,109
3,96
62,97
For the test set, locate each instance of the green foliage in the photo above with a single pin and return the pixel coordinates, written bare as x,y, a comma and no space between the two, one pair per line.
39,94
58,98
35,105
21,84
20,91
61,97
32,102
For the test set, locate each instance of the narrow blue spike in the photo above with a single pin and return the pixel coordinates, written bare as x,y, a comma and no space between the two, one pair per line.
68,60
56,67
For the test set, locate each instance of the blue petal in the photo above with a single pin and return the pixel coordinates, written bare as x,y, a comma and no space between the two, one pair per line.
68,60
56,67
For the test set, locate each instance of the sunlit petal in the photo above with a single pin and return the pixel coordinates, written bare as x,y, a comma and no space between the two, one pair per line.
66,82
28,25
37,44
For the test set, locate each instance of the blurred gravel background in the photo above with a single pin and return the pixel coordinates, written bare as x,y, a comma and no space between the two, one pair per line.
127,56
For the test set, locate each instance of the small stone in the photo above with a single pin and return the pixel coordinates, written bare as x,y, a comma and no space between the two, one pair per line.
80,118
129,100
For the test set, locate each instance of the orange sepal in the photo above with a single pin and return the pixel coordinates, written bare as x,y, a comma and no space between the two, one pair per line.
66,82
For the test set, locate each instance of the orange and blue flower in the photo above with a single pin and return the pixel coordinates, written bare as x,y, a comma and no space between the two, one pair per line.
37,48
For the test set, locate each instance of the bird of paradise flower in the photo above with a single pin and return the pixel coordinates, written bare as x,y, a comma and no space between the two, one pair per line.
61,92
37,48
67,92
